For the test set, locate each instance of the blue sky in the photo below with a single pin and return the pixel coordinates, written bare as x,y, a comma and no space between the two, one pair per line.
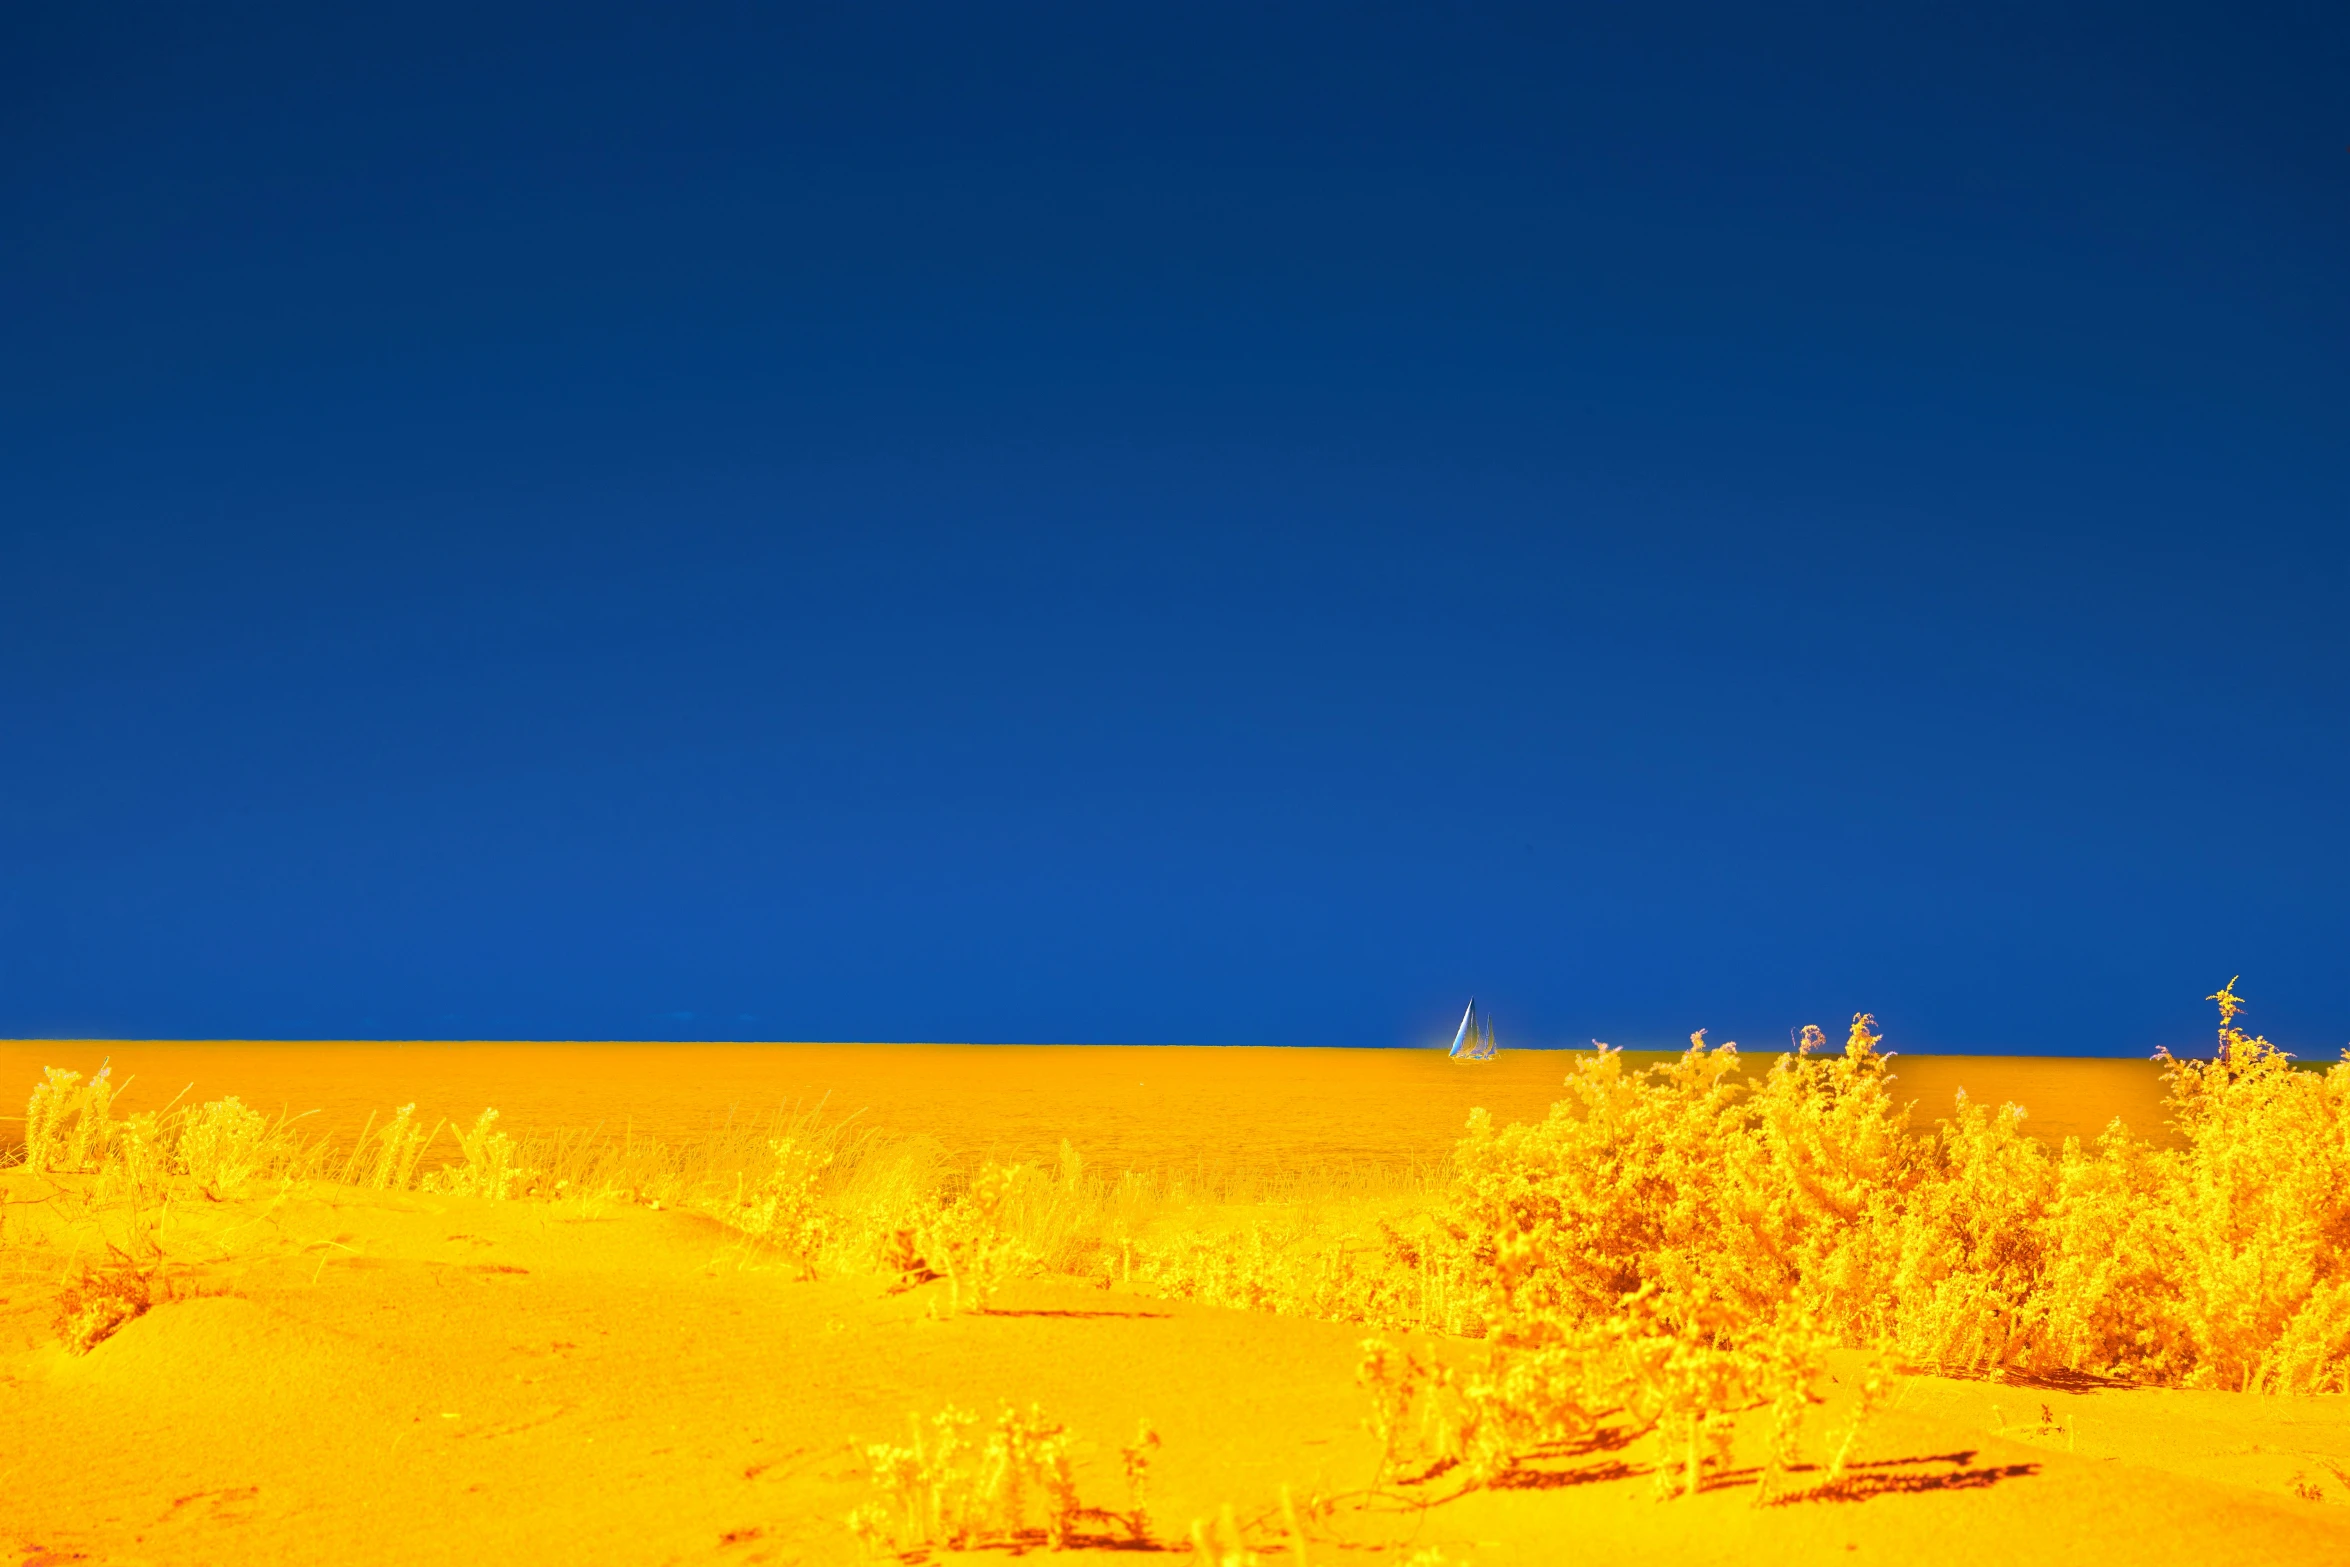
1203,524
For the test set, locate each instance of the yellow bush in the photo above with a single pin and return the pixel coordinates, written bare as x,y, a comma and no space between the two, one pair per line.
1973,1242
66,1125
974,1240
223,1146
783,1213
492,1166
1667,1249
397,1148
2261,1204
138,1159
951,1488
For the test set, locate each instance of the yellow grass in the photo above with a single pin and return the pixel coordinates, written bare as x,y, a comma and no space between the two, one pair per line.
1691,1276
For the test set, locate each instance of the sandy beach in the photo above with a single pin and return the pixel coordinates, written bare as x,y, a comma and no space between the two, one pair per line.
452,1382
378,1376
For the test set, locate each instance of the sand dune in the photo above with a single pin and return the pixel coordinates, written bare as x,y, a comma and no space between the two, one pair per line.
362,1377
342,1374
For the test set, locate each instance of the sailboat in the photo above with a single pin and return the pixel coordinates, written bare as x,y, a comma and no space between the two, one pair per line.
1474,1039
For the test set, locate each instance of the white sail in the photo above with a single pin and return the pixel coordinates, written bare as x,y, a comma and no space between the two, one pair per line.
1473,1040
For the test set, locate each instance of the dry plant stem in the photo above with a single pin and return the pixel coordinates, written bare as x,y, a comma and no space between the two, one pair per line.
1874,1389
1224,1546
1293,1529
1136,1458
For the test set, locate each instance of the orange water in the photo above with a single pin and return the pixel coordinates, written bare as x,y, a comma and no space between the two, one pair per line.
1260,1109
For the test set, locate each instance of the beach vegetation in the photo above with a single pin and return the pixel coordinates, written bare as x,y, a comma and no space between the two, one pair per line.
957,1485
1672,1254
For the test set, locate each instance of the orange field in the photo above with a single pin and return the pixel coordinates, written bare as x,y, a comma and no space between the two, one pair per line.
729,1302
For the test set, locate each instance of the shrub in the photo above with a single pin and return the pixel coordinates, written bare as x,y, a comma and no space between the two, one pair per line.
1663,1251
491,1168
397,1149
783,1213
973,1241
102,1299
66,1121
223,1146
950,1488
138,1161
